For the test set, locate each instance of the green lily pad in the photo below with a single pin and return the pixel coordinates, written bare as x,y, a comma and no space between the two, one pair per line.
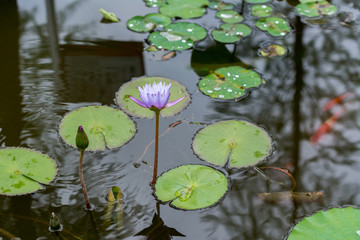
261,10
257,1
178,36
316,9
229,82
131,89
184,8
334,224
106,127
240,143
24,171
219,5
148,22
229,16
275,26
155,3
230,33
272,50
191,187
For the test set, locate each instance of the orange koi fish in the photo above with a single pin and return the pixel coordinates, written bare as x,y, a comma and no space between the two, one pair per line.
326,126
336,101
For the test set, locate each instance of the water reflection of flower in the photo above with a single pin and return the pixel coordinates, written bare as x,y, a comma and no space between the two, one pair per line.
155,97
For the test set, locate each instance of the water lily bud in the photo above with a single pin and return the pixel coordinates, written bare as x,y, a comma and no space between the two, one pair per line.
54,224
82,141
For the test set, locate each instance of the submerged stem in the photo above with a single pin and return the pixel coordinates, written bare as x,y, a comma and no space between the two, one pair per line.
81,175
157,113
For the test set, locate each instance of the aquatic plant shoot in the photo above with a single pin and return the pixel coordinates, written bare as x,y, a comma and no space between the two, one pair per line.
155,97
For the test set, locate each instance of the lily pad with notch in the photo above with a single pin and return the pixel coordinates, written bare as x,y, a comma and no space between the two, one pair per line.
274,26
229,16
220,5
106,127
229,82
261,10
131,89
231,33
316,9
184,8
191,187
334,223
178,36
24,171
148,22
236,143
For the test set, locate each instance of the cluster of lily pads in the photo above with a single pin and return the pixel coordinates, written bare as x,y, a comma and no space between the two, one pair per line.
222,145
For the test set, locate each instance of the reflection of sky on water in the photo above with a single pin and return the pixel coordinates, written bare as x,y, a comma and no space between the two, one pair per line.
330,63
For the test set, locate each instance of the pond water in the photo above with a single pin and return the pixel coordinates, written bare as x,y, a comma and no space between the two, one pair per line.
57,57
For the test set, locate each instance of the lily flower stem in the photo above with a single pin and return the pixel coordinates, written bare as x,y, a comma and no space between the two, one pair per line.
81,175
156,154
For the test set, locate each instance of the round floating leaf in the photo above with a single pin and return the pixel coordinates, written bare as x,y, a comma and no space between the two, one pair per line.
23,171
219,5
106,127
272,50
178,36
229,16
230,33
316,9
275,26
229,82
261,10
191,187
240,143
155,3
148,22
334,224
131,89
184,8
257,1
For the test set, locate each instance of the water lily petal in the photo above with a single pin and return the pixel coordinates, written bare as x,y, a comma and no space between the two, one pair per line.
170,104
138,102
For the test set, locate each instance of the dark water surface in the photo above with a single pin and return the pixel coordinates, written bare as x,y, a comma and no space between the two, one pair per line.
57,56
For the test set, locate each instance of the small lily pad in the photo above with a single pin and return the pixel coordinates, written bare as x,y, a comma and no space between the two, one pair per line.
155,3
24,171
335,224
230,33
131,89
178,36
148,23
238,143
275,26
191,187
261,10
106,127
229,16
184,8
220,5
229,82
272,50
257,1
316,9
109,16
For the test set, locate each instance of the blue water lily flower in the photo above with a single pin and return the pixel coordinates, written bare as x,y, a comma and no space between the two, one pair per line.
156,96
